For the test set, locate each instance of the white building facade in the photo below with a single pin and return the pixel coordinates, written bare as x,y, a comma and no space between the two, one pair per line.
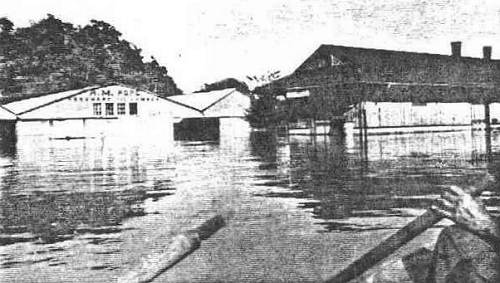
93,111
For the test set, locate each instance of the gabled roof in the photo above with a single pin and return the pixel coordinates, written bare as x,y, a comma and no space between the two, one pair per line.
353,53
29,104
201,101
398,66
6,114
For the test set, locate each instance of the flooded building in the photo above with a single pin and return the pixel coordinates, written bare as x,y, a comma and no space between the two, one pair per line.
211,113
89,111
385,90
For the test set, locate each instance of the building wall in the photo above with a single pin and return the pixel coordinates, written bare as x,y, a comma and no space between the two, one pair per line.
235,105
82,105
97,128
404,114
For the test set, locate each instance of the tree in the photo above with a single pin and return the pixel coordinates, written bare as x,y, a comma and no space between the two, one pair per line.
264,111
6,26
226,83
159,81
52,55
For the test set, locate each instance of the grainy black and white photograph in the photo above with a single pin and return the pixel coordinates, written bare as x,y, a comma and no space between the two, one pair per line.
250,141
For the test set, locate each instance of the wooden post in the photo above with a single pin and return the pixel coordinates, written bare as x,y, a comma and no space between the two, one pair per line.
360,120
487,119
487,130
365,124
313,125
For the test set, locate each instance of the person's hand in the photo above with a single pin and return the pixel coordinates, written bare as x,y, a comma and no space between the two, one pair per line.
466,211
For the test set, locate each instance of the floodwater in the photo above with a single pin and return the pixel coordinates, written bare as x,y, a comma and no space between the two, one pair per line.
298,208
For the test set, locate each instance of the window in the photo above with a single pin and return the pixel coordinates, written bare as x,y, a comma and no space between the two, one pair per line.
120,108
132,108
97,109
109,109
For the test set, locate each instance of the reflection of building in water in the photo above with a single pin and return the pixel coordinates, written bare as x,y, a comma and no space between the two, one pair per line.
54,216
54,188
402,173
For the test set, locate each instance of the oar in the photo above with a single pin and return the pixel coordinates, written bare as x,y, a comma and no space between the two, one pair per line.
394,242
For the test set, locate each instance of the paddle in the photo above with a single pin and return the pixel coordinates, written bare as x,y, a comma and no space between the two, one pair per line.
397,240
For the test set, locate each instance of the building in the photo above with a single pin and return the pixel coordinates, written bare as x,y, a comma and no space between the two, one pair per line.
7,126
211,113
118,109
6,114
381,90
91,111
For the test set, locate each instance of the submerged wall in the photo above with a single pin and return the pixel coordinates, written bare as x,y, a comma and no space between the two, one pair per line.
93,128
407,114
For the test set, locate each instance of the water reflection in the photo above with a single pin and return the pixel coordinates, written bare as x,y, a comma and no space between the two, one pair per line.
347,184
54,190
49,217
94,207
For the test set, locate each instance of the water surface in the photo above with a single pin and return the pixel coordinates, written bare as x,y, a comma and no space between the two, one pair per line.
298,208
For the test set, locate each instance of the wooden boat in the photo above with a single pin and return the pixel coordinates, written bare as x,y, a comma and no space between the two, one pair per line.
357,269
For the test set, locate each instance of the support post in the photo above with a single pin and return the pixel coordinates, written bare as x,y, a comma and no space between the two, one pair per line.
360,121
487,119
337,126
487,130
365,125
314,128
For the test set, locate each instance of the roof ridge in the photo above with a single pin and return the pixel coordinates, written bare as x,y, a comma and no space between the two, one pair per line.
80,91
219,100
402,51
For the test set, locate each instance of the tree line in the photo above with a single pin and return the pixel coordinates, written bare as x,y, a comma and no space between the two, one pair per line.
51,55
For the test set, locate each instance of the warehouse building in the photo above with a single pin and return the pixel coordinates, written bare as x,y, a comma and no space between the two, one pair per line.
122,110
386,91
94,110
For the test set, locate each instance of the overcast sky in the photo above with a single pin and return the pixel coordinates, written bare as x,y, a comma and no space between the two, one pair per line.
201,41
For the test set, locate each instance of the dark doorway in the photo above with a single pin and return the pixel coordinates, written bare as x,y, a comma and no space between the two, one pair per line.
8,138
197,129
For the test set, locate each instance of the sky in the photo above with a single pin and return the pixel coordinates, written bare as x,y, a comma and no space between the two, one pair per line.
202,41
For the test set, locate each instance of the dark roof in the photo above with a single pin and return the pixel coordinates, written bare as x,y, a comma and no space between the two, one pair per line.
364,64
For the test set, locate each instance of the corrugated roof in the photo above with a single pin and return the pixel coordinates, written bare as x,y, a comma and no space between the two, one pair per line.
26,105
201,101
